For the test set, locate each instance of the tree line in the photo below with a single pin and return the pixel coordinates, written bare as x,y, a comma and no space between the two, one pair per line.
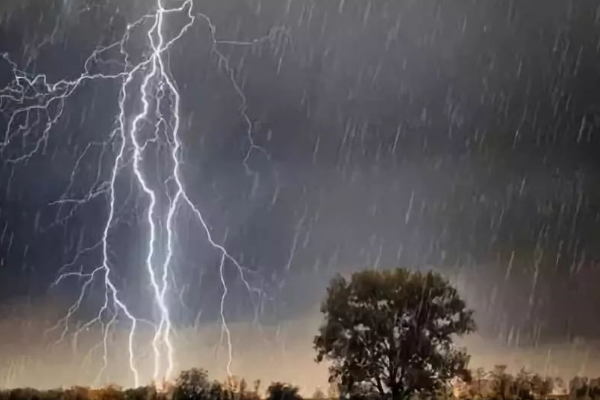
386,335
498,384
192,384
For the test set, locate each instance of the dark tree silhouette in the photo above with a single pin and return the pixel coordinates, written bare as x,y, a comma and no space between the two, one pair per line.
393,331
192,384
140,393
502,383
282,391
594,389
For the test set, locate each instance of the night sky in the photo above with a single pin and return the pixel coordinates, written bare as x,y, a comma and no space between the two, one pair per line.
458,136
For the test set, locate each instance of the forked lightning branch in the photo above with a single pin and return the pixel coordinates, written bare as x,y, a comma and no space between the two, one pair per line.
35,105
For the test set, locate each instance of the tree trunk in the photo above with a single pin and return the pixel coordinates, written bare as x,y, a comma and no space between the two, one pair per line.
397,393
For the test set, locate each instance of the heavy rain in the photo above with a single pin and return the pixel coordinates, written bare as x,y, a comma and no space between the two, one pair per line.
183,183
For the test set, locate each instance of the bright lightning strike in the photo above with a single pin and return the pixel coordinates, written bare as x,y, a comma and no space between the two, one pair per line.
35,106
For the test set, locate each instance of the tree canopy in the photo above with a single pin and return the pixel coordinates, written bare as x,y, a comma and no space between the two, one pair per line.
282,391
192,384
392,332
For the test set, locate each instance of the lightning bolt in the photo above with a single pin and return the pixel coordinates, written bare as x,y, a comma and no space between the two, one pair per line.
35,106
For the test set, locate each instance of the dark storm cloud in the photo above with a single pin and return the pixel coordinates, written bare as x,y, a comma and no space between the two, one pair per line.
418,133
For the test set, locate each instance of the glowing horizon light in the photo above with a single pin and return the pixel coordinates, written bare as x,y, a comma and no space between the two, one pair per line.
140,82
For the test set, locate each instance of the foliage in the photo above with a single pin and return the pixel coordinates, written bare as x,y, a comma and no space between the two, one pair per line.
479,378
502,383
392,331
282,391
498,384
141,393
582,388
82,393
488,385
192,384
523,386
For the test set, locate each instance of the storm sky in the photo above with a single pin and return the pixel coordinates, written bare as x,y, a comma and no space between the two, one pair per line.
458,136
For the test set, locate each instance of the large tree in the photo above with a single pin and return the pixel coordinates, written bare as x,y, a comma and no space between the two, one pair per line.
392,332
